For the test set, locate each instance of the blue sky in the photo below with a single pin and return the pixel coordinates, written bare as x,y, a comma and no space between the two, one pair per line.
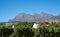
10,8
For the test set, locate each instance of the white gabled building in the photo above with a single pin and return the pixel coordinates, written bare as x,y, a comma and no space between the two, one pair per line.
35,26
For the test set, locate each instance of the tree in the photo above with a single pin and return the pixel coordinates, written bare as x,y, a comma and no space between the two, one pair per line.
5,32
23,30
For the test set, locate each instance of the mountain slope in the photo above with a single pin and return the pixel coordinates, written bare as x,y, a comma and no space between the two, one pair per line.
22,17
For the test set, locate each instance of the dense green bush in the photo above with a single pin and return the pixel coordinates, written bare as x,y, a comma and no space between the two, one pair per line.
24,29
5,32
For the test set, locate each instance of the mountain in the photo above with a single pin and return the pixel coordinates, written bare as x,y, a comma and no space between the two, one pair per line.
57,17
23,17
42,16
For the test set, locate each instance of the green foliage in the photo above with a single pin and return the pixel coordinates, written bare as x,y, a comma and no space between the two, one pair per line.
24,29
5,32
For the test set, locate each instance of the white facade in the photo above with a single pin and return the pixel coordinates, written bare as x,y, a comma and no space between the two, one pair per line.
12,26
35,26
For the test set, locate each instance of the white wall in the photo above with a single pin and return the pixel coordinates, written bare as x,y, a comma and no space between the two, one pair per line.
35,26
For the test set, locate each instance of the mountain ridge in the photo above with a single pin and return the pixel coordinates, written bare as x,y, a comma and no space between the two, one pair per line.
23,17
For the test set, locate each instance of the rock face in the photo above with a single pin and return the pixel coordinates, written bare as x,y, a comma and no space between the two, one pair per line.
22,17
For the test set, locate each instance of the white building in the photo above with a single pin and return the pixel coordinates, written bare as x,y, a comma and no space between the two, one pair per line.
35,25
12,26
